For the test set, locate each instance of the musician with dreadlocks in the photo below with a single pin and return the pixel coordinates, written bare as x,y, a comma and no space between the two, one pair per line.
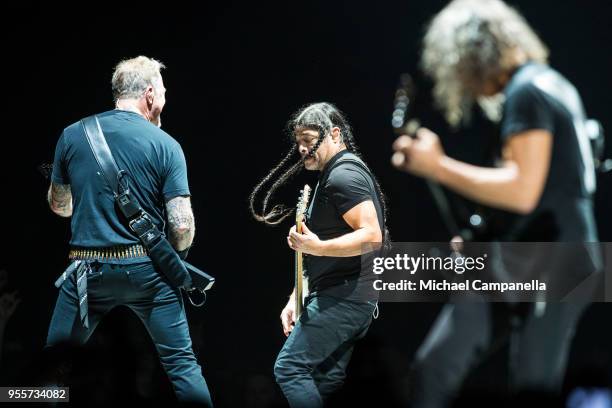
347,211
474,50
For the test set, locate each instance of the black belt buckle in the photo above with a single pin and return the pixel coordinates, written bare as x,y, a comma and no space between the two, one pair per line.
129,208
146,230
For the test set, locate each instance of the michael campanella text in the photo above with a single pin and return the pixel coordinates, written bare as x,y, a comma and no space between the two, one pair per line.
444,285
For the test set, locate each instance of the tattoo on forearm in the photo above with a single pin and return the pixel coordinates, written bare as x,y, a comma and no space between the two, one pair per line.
60,199
181,228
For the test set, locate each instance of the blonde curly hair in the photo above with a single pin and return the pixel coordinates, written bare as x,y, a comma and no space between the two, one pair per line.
469,43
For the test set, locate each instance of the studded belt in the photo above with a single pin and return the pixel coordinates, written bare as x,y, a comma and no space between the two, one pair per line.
108,253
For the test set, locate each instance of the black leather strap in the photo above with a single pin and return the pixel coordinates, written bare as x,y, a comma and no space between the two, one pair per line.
160,250
101,152
128,205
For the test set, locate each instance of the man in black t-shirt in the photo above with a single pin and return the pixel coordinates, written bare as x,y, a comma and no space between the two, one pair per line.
475,49
346,213
344,183
118,269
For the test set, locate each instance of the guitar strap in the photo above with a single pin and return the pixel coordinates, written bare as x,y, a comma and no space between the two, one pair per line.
180,273
344,159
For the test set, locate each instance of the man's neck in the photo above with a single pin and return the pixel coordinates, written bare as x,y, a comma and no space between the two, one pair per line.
340,150
131,105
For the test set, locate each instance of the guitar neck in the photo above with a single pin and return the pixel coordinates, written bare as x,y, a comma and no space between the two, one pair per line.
299,290
299,276
299,273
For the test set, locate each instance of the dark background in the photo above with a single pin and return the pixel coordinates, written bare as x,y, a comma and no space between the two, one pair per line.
235,72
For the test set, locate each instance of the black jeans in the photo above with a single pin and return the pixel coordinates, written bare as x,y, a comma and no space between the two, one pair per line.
312,363
158,305
462,334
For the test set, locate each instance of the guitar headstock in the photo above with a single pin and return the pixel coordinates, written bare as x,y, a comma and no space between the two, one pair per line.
402,103
302,204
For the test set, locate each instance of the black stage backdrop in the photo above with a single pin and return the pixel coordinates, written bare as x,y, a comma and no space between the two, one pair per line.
235,72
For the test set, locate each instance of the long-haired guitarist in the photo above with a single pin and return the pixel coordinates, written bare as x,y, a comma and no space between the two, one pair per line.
346,213
475,49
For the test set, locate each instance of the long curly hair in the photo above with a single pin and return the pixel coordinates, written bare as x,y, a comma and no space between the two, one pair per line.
470,42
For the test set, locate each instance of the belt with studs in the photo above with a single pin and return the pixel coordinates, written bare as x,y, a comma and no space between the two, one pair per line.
108,253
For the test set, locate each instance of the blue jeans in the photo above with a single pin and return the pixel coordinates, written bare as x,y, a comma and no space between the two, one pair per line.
312,363
158,305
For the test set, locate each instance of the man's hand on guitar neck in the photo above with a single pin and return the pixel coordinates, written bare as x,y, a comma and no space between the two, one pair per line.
362,218
420,156
287,315
307,242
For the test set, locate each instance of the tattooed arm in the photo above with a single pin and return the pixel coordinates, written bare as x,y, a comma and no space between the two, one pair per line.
60,199
181,228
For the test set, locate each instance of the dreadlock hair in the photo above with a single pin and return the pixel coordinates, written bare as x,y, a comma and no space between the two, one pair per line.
320,117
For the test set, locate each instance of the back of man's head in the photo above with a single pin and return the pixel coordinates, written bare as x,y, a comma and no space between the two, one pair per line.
131,77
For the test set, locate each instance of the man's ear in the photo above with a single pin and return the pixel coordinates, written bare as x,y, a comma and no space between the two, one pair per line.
335,134
150,95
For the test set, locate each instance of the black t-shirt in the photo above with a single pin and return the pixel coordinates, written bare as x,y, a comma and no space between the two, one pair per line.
153,160
538,97
344,183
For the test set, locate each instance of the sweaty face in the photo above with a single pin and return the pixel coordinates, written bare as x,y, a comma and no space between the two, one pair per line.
305,140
